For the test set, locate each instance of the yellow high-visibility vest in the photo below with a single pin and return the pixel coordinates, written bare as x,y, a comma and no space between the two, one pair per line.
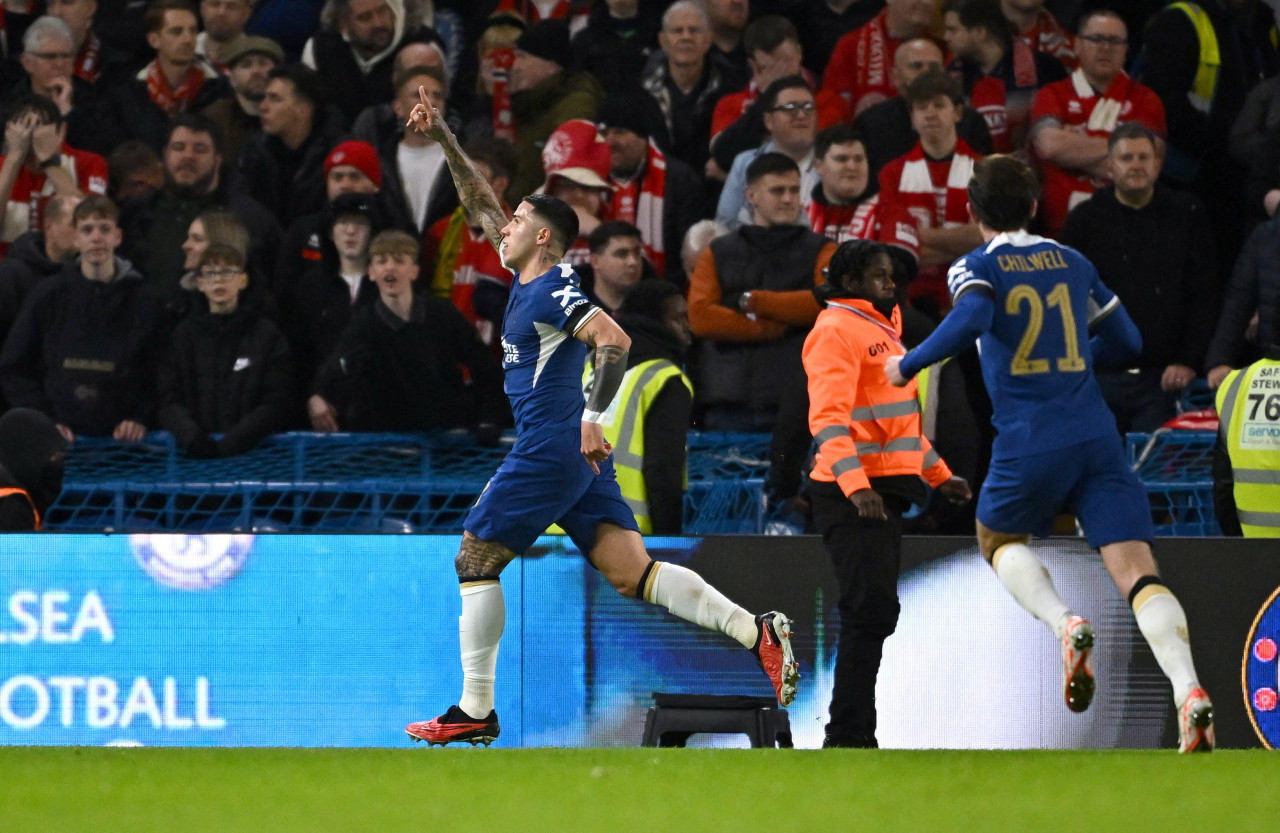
623,426
1249,422
1201,94
927,394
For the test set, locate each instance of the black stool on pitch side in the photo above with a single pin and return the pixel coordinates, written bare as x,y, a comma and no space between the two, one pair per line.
674,717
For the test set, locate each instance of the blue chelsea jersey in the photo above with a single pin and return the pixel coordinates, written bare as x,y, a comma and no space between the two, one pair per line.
542,359
1035,358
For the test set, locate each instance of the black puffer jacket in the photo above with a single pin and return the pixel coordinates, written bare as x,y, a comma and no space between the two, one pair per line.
226,374
289,183
84,352
387,374
1254,288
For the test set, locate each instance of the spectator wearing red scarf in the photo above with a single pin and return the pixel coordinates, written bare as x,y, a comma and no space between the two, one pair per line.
175,82
658,194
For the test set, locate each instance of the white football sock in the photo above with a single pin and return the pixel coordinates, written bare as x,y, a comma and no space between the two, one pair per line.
1026,579
484,612
1164,624
687,595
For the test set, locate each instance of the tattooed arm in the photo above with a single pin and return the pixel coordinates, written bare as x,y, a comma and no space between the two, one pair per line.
474,191
611,345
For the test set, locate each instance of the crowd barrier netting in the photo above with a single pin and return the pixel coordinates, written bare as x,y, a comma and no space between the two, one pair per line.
427,482
353,482
1176,467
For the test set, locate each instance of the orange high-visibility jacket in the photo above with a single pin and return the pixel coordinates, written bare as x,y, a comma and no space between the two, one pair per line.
13,490
864,426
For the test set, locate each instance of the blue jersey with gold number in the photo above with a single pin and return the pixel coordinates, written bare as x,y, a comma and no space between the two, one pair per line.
542,359
1035,357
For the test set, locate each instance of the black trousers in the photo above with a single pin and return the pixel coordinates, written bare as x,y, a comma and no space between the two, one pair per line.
866,554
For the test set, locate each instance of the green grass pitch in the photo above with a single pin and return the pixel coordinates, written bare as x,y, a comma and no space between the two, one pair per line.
331,790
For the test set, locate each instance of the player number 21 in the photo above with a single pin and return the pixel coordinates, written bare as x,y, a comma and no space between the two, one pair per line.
1060,297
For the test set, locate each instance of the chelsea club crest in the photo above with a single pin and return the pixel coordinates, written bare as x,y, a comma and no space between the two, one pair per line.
191,562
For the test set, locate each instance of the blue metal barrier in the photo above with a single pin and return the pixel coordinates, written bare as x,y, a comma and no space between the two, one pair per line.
353,482
427,482
1176,467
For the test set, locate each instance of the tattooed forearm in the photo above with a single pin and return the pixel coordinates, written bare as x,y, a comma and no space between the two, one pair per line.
611,366
474,191
480,559
610,354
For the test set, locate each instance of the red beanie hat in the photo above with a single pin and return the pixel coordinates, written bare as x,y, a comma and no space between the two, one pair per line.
359,155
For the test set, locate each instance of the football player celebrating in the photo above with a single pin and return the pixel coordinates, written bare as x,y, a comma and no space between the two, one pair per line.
559,471
1031,302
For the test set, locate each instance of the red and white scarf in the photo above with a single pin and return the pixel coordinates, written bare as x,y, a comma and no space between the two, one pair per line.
504,124
87,61
172,101
530,12
857,221
639,202
1103,110
27,199
933,206
874,57
1005,112
1046,35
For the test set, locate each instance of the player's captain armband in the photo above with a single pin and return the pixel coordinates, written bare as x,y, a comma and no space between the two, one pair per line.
960,277
579,315
593,416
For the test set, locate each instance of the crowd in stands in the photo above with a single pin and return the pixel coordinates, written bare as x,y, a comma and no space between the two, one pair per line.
215,221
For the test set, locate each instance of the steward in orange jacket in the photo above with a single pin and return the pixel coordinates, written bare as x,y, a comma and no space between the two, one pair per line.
871,459
864,426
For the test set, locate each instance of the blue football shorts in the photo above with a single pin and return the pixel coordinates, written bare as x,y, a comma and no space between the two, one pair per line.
551,483
1021,495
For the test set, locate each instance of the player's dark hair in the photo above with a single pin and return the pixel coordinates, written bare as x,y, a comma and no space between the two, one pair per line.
771,163
306,83
559,217
982,14
838,134
769,98
599,239
767,33
647,298
499,154
1002,192
930,84
196,123
1131,130
850,261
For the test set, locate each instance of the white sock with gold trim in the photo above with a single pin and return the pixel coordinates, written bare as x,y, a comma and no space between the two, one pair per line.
1164,625
687,595
1026,579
